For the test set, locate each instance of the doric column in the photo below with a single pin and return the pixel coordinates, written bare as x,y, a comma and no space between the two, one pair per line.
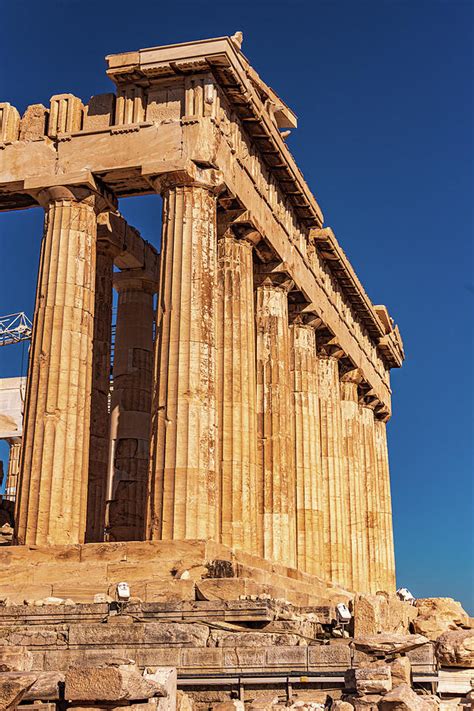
369,463
386,533
13,471
100,420
277,525
55,459
237,392
355,480
336,496
184,500
309,485
131,405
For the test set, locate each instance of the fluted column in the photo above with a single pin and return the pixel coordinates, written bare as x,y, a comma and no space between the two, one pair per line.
55,460
369,462
131,405
336,495
385,506
309,485
355,481
100,420
276,486
237,416
184,500
13,471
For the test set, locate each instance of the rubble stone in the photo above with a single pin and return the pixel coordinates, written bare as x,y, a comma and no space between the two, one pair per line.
109,684
437,615
373,614
364,703
403,698
15,659
369,680
12,690
184,702
46,686
234,705
456,649
401,671
389,643
167,678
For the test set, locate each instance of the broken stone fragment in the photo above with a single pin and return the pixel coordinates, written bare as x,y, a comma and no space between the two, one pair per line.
456,649
46,686
12,690
373,614
437,615
369,680
168,678
234,705
184,702
264,701
109,684
33,123
15,659
401,671
364,703
403,698
341,706
389,643
103,598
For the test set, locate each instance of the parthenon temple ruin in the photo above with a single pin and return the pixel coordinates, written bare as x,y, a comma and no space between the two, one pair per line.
249,408
197,511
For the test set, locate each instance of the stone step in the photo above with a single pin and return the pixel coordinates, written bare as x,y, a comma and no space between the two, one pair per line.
157,571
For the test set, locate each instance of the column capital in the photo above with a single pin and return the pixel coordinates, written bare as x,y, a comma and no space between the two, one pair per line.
237,224
328,347
368,401
352,376
135,279
274,275
382,413
304,313
191,176
243,228
350,381
100,200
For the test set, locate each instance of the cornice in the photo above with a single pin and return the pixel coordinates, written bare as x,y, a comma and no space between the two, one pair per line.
257,106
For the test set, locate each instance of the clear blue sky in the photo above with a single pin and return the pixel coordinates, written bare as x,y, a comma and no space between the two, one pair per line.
383,94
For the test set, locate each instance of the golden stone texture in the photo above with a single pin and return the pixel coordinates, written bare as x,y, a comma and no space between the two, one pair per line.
309,489
250,407
184,487
237,415
276,485
52,502
335,491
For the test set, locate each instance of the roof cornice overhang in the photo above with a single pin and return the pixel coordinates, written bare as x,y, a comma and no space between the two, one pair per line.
387,338
247,94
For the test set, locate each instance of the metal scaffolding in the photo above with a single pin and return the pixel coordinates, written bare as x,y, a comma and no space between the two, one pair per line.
14,328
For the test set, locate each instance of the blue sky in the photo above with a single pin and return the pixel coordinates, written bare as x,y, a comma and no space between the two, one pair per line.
382,90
